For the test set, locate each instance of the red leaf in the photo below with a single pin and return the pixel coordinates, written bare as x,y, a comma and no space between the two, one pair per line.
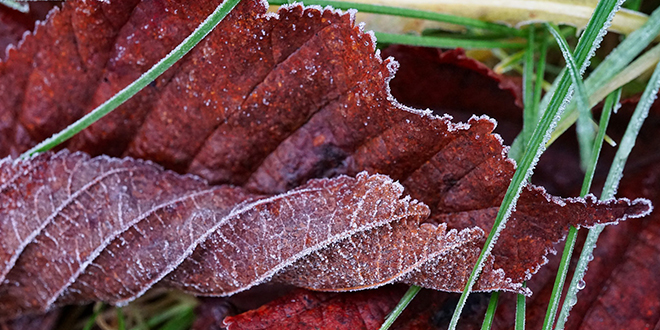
623,262
268,103
304,309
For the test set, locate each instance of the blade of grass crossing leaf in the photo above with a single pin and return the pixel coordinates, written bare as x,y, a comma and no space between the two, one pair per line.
610,102
22,7
410,13
182,49
530,119
585,131
438,42
521,310
614,63
587,44
572,233
400,307
611,185
490,312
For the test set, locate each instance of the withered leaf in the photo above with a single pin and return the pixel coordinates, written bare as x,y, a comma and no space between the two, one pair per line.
303,309
620,287
268,102
106,229
77,229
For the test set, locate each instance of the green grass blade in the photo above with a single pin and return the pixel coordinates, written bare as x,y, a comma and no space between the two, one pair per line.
571,238
443,42
182,49
509,62
169,314
641,65
572,233
529,116
638,67
182,321
121,323
551,312
611,101
521,310
633,4
518,145
585,131
398,309
611,185
22,7
410,13
540,73
92,319
589,41
629,137
614,63
490,312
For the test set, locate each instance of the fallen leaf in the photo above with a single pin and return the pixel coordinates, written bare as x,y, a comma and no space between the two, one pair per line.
14,24
622,262
304,309
88,229
269,102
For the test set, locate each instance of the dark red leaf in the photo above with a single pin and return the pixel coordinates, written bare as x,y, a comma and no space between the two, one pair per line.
304,309
621,270
269,102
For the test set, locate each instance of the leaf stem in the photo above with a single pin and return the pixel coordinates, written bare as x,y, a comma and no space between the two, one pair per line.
129,91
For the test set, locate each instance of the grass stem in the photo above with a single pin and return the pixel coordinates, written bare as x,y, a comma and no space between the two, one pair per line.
129,91
490,312
400,307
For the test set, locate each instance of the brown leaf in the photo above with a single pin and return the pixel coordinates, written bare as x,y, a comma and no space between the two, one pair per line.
623,262
107,229
304,309
450,82
14,24
269,103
